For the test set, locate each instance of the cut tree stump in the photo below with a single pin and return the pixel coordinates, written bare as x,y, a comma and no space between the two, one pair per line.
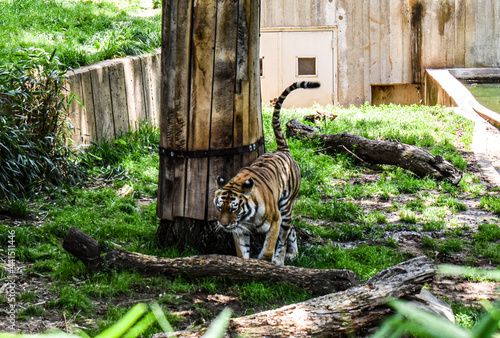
316,281
413,158
341,314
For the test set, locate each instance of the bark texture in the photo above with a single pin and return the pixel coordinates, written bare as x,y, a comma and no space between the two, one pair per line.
316,281
406,156
340,314
84,247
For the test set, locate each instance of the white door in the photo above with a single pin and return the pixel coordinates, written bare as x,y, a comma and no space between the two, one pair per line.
290,56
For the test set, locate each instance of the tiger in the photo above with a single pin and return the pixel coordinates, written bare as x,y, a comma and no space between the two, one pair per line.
260,197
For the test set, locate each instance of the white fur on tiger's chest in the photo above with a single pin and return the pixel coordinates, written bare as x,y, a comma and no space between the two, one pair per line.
260,226
256,221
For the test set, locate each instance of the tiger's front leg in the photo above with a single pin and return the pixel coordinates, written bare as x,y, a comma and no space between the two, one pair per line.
242,243
267,252
281,246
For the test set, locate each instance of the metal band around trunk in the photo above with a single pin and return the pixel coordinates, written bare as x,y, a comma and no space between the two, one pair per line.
211,152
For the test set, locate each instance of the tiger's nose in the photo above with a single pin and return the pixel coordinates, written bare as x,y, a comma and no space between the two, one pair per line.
223,224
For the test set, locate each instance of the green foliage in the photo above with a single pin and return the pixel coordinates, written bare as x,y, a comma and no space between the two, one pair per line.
444,246
333,210
31,311
364,260
491,203
451,203
487,241
16,208
123,173
33,125
259,294
415,322
72,299
83,32
219,325
466,316
143,140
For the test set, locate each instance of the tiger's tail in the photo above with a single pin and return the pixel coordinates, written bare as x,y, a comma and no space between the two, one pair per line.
278,133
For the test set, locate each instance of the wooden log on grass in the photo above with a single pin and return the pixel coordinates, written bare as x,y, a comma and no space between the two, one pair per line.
316,281
341,314
410,157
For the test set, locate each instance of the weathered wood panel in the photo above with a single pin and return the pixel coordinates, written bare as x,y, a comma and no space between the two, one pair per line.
155,85
103,109
252,116
118,98
201,103
211,101
150,64
133,105
224,78
181,81
113,94
74,86
88,110
394,41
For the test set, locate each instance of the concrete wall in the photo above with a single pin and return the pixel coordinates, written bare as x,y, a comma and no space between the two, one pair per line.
394,41
114,96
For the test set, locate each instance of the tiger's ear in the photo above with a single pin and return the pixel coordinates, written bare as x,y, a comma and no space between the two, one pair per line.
220,182
248,186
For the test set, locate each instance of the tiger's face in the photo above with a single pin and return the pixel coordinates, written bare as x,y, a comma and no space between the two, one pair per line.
228,205
231,204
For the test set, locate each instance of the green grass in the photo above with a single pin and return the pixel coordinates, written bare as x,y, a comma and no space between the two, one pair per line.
487,241
466,316
258,294
330,208
364,260
491,203
444,246
82,32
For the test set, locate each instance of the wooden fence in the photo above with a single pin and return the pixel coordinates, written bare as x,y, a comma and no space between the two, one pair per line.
114,96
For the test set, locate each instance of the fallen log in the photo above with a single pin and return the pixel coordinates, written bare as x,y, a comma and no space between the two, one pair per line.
341,314
316,281
406,156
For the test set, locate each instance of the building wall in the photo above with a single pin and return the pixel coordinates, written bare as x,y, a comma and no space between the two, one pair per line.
394,41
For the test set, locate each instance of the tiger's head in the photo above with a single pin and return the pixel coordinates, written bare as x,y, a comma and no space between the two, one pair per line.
231,203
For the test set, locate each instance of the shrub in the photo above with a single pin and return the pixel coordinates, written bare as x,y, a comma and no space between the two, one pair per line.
33,124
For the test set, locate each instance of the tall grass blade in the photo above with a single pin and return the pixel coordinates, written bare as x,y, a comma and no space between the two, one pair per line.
219,325
426,324
160,318
141,326
120,327
489,323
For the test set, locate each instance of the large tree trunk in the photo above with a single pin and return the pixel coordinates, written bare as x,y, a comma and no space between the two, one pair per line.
340,314
406,156
316,281
210,116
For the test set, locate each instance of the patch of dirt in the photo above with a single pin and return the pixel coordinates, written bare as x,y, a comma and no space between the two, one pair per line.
460,290
493,146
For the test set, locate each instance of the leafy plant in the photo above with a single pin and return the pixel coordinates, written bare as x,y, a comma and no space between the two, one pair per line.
411,320
33,124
